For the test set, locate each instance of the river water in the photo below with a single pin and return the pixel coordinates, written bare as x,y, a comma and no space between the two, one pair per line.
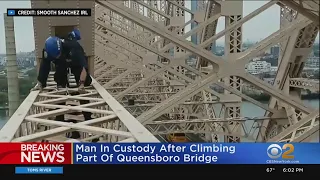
247,110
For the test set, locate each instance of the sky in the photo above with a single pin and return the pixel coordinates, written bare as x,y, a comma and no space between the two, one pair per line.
256,29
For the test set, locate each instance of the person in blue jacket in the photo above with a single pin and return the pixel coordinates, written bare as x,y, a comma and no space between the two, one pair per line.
74,35
64,53
61,75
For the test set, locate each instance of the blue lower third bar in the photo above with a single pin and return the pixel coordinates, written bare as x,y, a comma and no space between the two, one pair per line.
39,170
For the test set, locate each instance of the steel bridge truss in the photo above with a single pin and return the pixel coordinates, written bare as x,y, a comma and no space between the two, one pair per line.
34,119
170,95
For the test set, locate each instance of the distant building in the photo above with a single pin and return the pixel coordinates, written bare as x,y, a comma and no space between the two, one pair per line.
312,62
256,59
257,67
269,80
273,69
23,60
275,50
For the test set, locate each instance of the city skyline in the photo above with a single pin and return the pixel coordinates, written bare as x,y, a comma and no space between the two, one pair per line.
253,30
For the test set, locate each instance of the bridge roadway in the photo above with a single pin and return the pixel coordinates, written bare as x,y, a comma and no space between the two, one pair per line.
137,51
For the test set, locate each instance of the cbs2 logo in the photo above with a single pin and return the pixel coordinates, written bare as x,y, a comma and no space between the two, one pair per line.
275,151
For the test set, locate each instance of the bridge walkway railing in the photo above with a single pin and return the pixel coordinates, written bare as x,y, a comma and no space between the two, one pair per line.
34,120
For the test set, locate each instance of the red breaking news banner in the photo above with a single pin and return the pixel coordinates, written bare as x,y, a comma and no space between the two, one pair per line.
35,153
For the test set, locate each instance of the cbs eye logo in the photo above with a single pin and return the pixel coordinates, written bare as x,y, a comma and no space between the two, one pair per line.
275,151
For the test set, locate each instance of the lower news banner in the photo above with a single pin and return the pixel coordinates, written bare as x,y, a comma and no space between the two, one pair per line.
196,153
96,158
147,170
49,12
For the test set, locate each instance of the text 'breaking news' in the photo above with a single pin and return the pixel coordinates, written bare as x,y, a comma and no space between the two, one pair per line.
48,12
